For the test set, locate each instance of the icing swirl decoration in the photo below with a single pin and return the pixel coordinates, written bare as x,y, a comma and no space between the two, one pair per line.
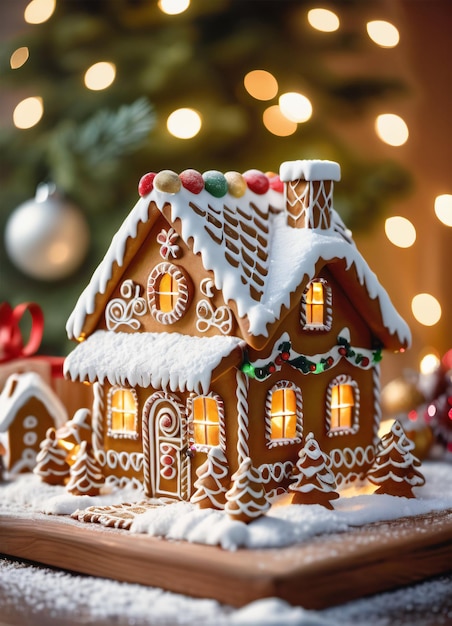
119,312
209,317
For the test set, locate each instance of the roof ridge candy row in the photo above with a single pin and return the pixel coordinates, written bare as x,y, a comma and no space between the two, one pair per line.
214,182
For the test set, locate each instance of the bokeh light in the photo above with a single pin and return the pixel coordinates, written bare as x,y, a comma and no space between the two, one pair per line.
100,75
426,309
173,7
443,208
400,231
296,107
276,123
184,123
391,129
383,33
28,112
39,11
19,57
429,363
261,85
324,20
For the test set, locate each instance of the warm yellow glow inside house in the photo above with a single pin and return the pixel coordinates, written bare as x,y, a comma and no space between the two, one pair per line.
100,75
391,129
283,414
383,33
315,301
39,11
295,106
184,123
276,123
342,403
123,411
206,421
426,309
261,85
28,112
323,20
400,231
443,208
167,293
19,57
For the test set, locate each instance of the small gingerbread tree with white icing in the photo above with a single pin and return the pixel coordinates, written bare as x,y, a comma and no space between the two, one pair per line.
246,500
314,481
213,481
51,463
394,469
86,474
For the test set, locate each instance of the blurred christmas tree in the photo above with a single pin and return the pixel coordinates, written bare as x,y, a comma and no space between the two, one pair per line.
94,145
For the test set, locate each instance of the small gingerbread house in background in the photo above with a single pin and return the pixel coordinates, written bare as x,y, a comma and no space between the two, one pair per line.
28,407
233,312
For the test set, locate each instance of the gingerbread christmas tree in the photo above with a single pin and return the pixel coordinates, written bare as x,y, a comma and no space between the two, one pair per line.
213,481
314,481
86,474
246,500
51,463
394,469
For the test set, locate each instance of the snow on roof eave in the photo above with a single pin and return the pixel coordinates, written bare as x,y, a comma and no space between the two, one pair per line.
99,281
168,361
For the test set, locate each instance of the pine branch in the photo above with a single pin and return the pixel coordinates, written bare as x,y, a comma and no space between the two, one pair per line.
109,135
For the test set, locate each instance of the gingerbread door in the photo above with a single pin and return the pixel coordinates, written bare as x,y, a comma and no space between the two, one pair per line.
165,441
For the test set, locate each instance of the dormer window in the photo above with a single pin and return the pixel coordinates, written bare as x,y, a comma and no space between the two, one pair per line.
168,292
316,309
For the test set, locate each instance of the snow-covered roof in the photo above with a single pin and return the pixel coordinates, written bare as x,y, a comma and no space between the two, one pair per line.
161,360
257,259
18,389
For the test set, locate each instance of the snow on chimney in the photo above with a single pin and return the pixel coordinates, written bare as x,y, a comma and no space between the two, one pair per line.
309,192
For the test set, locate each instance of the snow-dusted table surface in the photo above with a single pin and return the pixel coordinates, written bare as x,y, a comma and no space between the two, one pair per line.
37,595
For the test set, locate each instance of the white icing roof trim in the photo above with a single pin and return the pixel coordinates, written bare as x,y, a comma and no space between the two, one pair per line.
292,255
18,389
309,170
161,360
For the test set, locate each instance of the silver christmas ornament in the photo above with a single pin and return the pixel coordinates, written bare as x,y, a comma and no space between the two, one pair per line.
47,237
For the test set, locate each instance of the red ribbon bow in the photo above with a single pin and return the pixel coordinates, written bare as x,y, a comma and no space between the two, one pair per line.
11,340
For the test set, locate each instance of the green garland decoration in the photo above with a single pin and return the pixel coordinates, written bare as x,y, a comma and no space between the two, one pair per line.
359,357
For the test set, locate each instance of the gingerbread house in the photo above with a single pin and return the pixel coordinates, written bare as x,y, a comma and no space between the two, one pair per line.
233,312
28,407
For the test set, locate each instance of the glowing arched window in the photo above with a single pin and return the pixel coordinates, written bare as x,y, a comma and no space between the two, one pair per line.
343,414
168,291
206,415
122,412
283,414
316,313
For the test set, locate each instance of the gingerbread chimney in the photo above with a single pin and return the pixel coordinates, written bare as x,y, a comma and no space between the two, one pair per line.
309,192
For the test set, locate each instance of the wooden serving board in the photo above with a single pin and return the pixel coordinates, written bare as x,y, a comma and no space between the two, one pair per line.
328,570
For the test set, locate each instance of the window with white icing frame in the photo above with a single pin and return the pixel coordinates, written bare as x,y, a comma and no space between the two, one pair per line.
122,413
168,292
316,306
284,414
206,421
342,406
